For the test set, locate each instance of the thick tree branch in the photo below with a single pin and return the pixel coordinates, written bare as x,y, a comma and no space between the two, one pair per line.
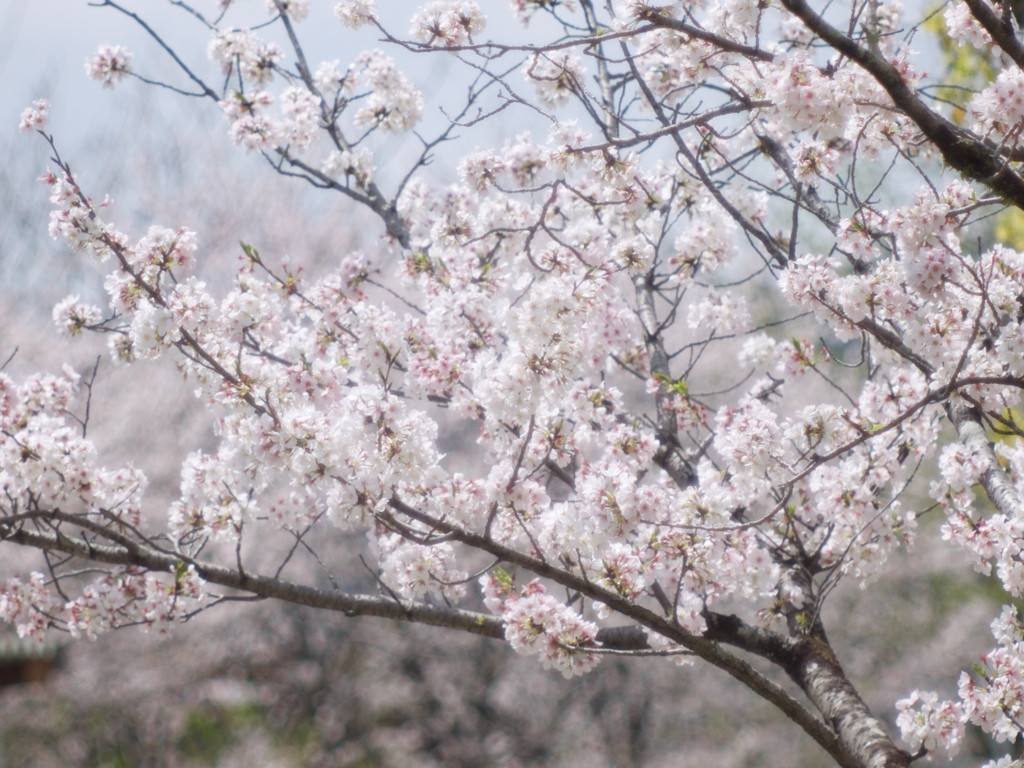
811,664
817,671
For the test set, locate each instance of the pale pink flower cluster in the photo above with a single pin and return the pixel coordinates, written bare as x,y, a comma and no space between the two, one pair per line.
1007,761
622,571
29,606
254,59
481,170
749,435
819,429
804,99
152,330
329,78
110,65
356,13
926,723
447,23
979,538
858,234
301,118
863,528
736,19
163,250
537,624
960,467
758,352
129,597
34,118
48,464
72,317
999,108
232,48
627,11
416,571
719,312
964,28
710,567
634,254
997,538
393,104
667,60
251,127
813,159
556,76
75,220
706,242
190,304
356,164
793,357
214,500
994,700
921,288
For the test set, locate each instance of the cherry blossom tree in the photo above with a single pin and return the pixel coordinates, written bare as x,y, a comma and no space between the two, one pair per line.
698,183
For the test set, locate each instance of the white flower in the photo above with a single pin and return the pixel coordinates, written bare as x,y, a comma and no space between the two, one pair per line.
447,23
925,722
556,76
109,65
72,318
393,104
356,13
34,117
356,164
153,330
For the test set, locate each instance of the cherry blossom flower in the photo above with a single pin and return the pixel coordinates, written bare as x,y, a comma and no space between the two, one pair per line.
447,23
555,77
964,28
72,317
356,13
34,118
925,723
394,104
110,65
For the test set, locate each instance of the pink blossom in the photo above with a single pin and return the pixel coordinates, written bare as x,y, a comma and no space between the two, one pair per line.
356,13
924,722
445,23
110,64
34,117
71,317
